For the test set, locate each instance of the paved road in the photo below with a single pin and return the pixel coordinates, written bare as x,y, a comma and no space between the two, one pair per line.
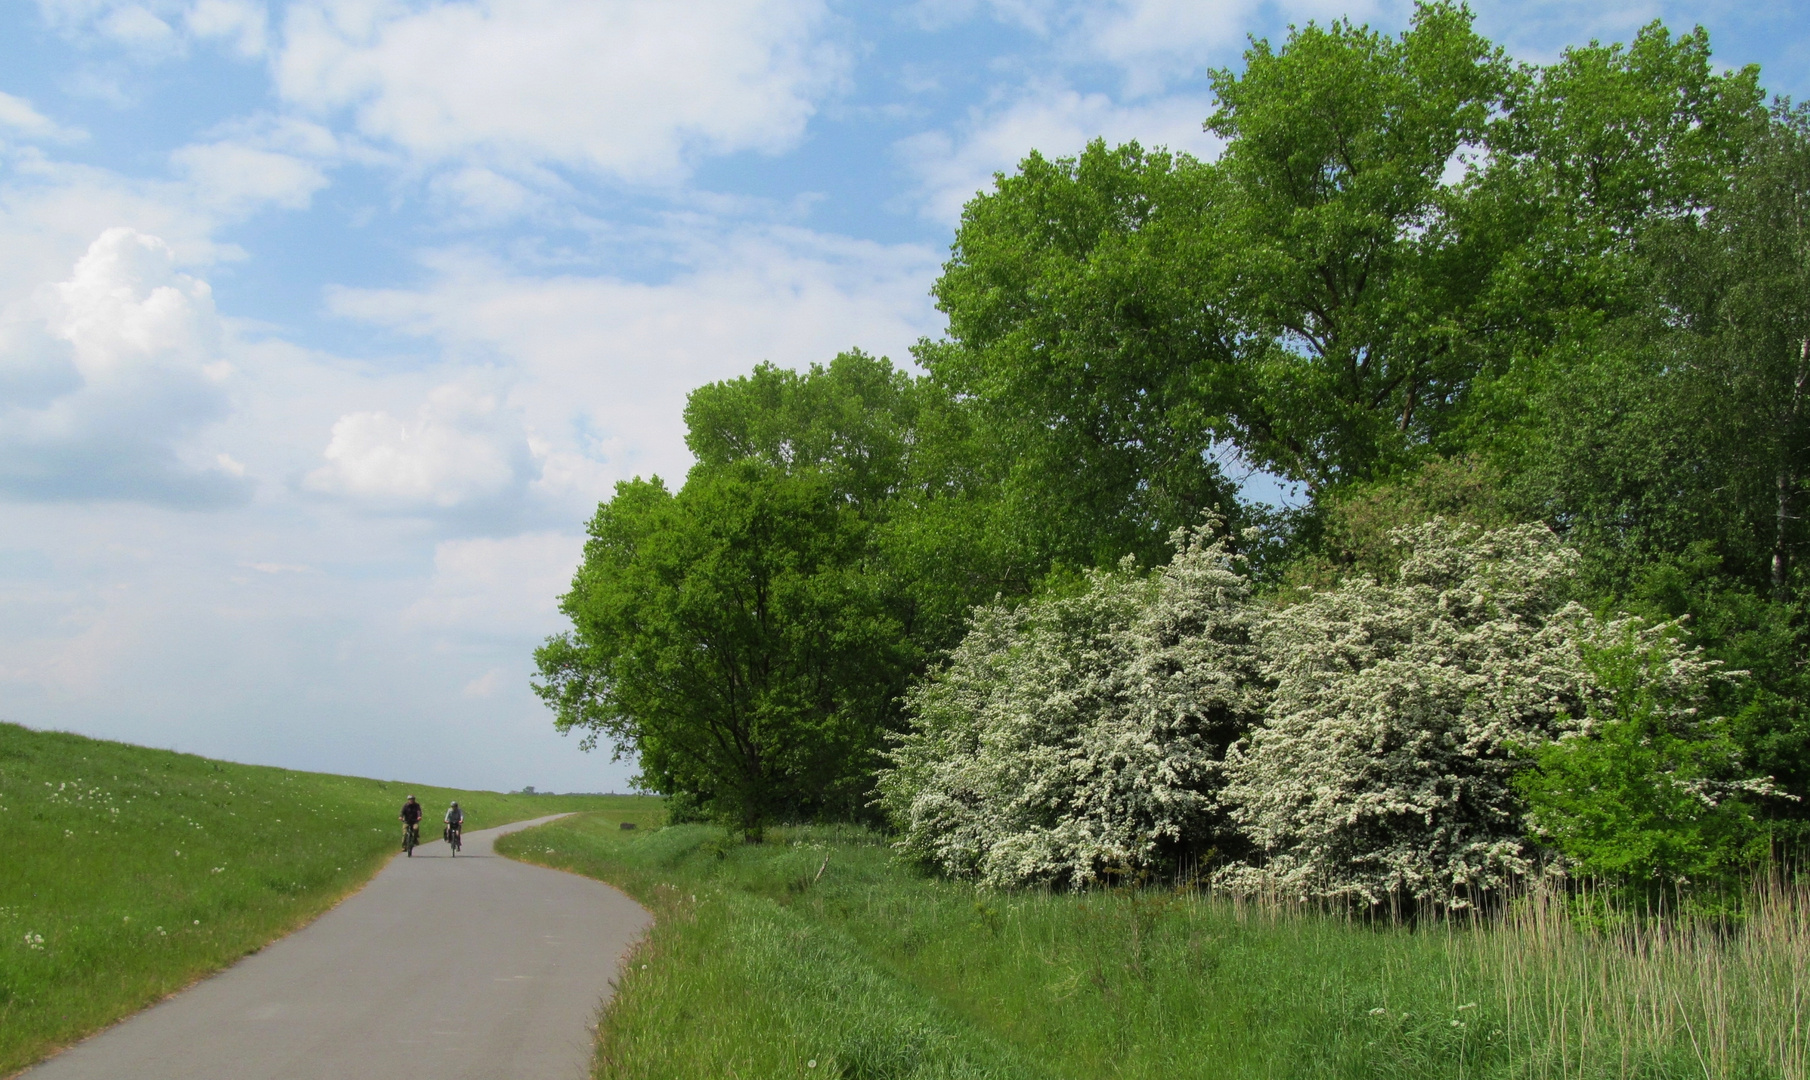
474,968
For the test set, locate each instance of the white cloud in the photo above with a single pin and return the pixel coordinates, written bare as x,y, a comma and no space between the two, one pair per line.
462,447
50,210
484,685
139,624
629,88
277,568
18,115
138,30
482,196
509,585
110,373
157,30
1155,41
237,178
601,366
126,309
1057,121
259,162
242,24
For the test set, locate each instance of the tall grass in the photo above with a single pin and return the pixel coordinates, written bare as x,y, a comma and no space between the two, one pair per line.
1667,995
127,873
818,946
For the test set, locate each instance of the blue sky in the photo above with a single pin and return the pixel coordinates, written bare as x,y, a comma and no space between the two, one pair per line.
324,325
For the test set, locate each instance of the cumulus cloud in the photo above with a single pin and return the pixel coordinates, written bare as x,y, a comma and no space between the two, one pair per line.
462,447
1054,120
627,88
107,375
51,210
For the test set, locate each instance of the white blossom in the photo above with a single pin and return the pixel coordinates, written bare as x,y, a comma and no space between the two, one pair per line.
1358,744
1080,736
1382,769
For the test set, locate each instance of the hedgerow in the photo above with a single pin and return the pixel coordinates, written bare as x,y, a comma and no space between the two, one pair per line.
1370,742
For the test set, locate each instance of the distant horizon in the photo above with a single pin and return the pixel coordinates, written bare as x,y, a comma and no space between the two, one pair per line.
527,789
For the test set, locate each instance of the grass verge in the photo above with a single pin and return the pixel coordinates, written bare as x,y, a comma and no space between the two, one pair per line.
128,873
817,955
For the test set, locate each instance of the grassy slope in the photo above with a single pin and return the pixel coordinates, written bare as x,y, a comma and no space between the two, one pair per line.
819,948
141,870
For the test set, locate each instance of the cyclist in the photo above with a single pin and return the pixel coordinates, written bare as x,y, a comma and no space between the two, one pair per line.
411,823
455,822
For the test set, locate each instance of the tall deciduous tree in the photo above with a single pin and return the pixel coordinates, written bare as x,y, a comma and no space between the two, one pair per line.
1759,333
1087,348
1342,237
735,637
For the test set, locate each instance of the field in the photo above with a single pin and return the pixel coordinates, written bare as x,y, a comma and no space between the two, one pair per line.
817,955
128,873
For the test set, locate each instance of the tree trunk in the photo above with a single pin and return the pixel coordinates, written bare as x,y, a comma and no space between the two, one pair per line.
1786,479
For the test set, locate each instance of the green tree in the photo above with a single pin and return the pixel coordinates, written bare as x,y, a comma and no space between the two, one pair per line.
897,452
1588,155
1343,237
1750,265
853,420
1083,363
730,636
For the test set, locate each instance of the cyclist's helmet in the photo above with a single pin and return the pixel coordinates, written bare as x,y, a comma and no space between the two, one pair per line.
455,802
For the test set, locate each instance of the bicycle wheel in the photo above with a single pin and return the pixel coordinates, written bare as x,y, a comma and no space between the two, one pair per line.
408,841
458,841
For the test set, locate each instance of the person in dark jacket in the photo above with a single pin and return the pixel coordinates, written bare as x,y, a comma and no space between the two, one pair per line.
411,821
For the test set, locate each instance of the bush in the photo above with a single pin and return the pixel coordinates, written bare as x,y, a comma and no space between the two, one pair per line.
1081,737
1383,770
1649,791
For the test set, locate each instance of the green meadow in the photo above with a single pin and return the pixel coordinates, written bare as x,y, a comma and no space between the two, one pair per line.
816,954
127,873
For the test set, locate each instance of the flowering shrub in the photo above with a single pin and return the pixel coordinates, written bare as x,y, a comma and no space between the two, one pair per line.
1374,742
1403,711
1383,767
1080,736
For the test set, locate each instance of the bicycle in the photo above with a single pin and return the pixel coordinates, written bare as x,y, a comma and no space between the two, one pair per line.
411,835
454,838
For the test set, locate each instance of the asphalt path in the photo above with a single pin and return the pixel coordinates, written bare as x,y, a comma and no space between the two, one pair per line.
469,968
